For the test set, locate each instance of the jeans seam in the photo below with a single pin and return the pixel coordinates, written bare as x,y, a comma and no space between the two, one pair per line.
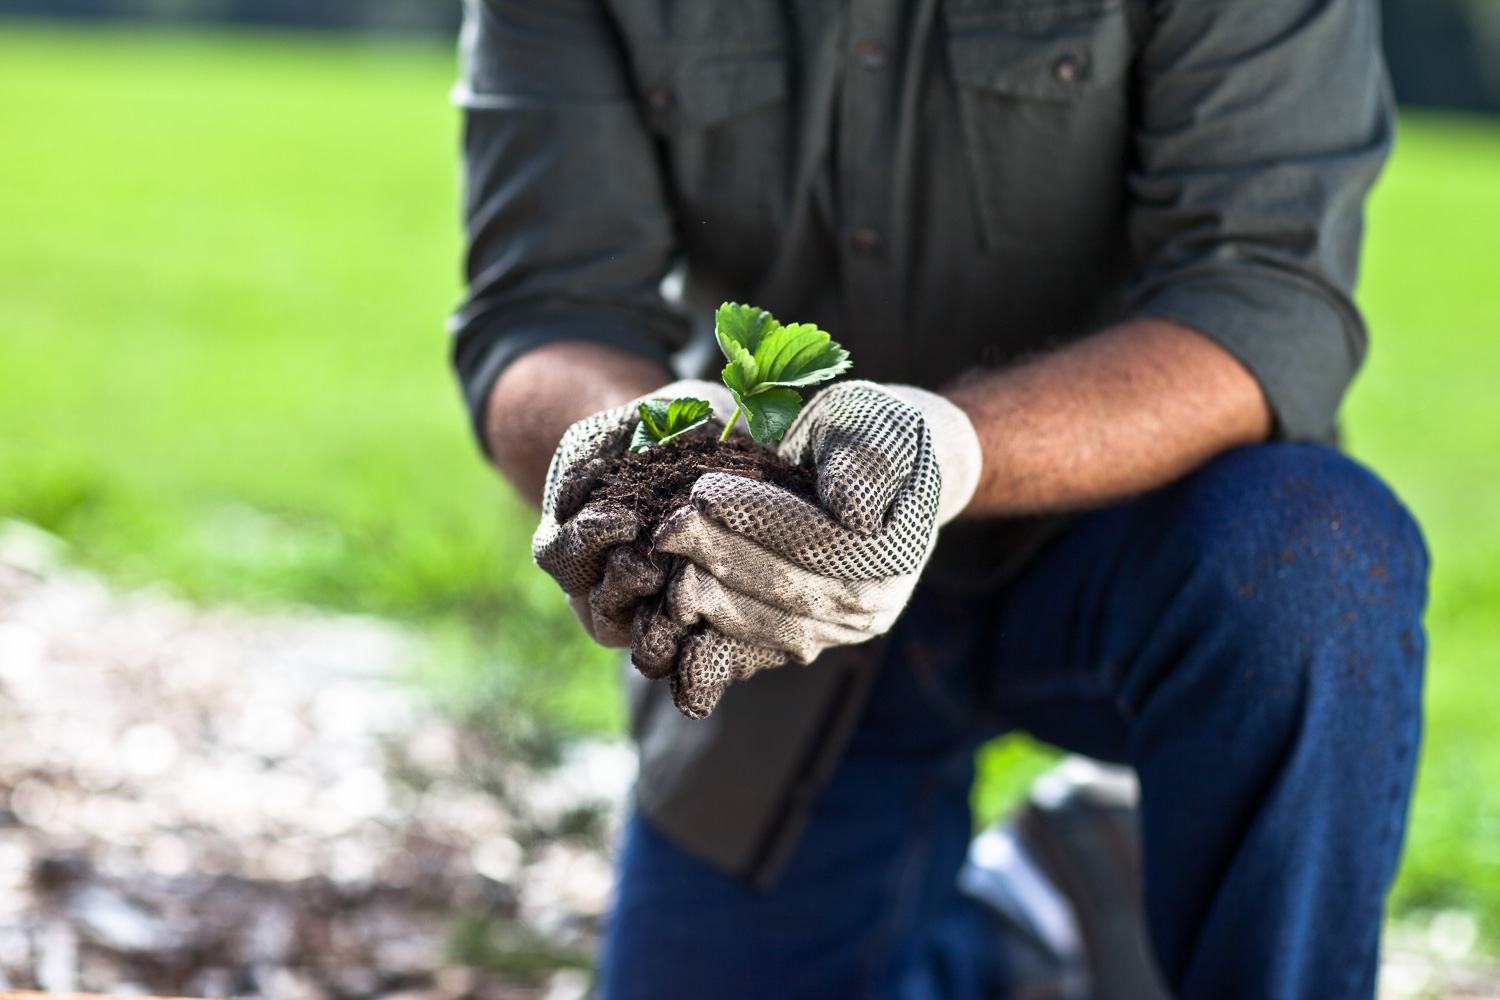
913,865
1391,830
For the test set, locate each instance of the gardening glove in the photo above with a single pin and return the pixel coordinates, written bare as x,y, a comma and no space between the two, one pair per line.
585,548
776,578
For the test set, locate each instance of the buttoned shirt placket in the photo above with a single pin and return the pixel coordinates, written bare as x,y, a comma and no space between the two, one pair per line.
864,138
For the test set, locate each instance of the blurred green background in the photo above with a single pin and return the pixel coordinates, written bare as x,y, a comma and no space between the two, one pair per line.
224,264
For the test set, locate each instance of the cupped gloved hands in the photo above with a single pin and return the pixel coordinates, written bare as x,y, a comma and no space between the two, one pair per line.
772,578
763,576
587,548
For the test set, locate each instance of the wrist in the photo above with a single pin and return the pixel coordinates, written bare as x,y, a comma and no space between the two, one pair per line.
545,391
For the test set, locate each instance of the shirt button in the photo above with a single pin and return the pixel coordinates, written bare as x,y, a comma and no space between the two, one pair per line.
661,100
871,53
867,242
1070,67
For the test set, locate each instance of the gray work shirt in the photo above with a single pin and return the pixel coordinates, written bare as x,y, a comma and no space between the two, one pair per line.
940,184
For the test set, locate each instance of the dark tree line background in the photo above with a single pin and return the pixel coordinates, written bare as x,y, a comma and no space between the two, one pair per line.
403,16
1442,53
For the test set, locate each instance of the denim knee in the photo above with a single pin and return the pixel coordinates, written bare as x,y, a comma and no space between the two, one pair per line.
1311,518
1298,556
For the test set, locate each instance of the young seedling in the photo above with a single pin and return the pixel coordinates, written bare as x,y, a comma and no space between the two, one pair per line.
768,362
663,422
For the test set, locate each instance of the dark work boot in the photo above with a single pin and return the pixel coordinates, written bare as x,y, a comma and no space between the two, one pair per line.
1064,875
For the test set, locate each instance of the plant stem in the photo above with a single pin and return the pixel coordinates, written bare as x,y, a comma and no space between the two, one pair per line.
730,425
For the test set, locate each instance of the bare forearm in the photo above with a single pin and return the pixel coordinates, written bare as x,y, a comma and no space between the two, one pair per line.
544,391
1111,416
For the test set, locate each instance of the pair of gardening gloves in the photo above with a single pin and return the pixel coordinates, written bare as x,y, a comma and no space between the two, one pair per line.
756,577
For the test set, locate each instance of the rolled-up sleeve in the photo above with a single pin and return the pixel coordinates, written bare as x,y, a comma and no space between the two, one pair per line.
569,234
1261,128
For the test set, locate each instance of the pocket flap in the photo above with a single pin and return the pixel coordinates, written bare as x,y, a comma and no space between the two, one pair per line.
700,86
1060,62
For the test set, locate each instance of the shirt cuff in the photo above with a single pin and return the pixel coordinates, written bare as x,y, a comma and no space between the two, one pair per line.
482,355
1301,348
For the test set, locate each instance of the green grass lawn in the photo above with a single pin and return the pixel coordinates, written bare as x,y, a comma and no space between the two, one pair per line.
225,263
224,266
1426,414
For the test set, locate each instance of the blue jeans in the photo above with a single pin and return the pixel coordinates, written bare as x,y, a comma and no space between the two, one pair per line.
1249,639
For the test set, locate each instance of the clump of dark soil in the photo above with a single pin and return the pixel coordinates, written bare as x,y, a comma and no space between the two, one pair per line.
656,482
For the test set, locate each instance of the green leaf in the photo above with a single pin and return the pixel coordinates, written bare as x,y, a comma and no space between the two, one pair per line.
654,416
742,374
642,438
799,355
686,413
767,361
743,326
662,422
769,412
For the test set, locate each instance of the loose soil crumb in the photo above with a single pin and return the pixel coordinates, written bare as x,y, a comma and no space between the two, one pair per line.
656,482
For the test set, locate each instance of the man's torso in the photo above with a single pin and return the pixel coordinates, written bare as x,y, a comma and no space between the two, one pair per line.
968,220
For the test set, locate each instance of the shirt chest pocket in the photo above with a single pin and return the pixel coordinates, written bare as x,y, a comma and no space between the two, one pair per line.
720,110
1043,105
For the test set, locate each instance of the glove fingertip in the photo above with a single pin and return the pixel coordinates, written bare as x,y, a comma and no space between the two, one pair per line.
594,526
709,662
572,491
702,674
856,485
850,503
654,639
741,502
697,703
712,487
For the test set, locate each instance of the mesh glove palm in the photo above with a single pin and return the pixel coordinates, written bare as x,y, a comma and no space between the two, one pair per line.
772,578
